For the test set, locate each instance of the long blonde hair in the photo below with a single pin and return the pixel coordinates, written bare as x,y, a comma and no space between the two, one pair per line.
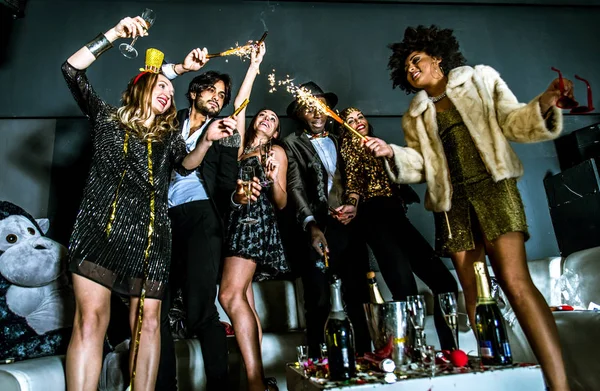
136,109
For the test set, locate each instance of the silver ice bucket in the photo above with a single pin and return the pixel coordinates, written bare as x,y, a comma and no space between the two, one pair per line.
388,326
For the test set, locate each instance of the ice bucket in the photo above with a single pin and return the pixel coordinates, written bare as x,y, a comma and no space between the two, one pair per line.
388,325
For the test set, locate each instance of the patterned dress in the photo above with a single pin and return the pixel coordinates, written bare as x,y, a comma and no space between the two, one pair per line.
260,242
122,232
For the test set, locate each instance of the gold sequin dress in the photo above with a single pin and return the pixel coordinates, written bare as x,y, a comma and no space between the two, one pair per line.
477,200
122,232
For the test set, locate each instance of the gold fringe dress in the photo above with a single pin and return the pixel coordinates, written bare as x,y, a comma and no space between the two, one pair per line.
477,201
122,235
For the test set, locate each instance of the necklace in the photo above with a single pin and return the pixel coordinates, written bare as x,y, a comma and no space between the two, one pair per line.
251,148
438,98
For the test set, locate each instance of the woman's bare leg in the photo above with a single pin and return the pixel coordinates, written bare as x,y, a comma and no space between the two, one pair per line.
149,348
250,297
233,296
84,355
463,264
509,261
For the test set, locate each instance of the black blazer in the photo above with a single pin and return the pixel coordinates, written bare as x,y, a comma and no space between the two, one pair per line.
307,178
218,170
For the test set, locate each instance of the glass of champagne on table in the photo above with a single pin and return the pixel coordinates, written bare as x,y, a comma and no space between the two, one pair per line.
127,49
247,176
417,312
449,308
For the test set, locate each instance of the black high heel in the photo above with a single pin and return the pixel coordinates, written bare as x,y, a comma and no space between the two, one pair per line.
271,383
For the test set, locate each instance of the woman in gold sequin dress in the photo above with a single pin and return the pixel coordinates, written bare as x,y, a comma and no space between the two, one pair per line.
121,240
457,130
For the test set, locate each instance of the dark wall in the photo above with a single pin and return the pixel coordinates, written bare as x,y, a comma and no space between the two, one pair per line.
340,46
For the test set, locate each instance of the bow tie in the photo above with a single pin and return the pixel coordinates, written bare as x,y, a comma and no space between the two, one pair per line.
313,136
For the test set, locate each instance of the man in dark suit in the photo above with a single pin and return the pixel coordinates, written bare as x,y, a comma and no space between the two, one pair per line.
315,190
197,205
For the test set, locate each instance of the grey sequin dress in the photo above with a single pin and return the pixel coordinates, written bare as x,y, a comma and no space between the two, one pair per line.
122,231
260,242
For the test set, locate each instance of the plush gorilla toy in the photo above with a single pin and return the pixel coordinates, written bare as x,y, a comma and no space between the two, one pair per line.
36,302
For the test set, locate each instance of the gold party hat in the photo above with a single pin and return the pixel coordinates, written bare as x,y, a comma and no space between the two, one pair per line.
154,60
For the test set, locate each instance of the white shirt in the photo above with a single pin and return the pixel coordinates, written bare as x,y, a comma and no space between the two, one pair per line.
328,154
183,189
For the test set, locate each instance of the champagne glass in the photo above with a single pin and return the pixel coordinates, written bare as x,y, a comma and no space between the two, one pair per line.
247,177
449,308
265,150
417,311
127,49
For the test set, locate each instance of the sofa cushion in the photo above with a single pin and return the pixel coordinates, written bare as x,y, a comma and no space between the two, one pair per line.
583,268
45,373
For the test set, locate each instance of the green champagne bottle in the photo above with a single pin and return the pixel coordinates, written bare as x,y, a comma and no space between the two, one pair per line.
494,348
339,337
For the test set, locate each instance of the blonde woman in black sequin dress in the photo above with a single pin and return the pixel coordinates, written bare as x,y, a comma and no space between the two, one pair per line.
121,240
457,129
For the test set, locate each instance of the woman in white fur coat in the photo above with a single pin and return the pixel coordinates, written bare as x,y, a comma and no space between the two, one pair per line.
457,130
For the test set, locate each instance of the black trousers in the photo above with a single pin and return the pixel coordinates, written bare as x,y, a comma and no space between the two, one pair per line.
197,244
400,250
349,260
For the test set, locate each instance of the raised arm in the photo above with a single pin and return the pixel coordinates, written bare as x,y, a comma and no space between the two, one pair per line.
193,62
126,28
256,58
538,120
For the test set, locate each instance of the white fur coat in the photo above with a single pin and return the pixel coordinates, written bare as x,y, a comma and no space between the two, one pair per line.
493,116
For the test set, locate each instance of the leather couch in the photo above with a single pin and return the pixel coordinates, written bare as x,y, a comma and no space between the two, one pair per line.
280,307
579,330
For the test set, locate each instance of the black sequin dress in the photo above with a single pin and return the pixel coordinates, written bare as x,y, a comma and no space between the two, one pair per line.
260,242
122,231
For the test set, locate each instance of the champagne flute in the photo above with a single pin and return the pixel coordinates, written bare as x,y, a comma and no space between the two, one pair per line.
265,150
417,311
247,176
449,307
127,49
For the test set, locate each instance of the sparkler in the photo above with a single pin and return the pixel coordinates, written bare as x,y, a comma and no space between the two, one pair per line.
308,100
242,52
239,109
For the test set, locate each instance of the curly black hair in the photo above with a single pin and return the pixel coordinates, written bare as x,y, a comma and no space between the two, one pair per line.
436,42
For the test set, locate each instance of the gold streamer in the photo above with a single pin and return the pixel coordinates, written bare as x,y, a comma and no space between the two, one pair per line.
113,207
140,320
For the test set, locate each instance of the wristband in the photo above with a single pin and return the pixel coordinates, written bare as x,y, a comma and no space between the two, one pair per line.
99,45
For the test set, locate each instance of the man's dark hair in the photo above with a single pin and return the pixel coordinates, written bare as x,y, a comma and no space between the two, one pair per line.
436,42
206,80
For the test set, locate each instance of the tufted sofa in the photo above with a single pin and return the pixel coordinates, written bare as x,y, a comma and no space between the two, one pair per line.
279,305
579,331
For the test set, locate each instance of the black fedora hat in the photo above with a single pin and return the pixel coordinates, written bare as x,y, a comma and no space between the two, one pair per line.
316,91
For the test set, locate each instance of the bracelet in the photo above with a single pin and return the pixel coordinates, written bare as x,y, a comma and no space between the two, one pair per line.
351,201
175,70
99,45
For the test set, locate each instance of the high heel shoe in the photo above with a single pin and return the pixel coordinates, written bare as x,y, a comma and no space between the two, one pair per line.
271,384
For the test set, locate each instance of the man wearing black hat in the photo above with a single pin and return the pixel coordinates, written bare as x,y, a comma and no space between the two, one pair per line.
315,191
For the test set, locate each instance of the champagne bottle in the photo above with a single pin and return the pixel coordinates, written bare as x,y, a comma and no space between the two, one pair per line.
374,292
339,337
494,348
